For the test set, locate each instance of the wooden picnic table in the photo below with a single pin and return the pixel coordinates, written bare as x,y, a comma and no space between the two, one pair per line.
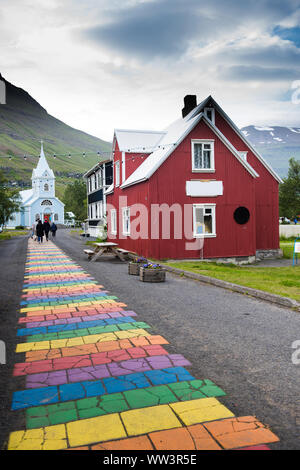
106,247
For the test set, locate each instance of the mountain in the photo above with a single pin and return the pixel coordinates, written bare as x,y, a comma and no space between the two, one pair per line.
24,123
276,144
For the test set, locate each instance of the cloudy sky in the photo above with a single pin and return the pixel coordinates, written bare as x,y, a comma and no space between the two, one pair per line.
104,64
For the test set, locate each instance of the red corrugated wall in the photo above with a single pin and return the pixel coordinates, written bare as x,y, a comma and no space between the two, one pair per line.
266,192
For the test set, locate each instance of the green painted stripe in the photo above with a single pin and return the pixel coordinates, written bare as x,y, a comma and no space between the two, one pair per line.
48,415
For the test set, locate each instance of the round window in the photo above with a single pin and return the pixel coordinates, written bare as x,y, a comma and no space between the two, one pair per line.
241,215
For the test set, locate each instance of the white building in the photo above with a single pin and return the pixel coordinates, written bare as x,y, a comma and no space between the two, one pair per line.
98,180
40,201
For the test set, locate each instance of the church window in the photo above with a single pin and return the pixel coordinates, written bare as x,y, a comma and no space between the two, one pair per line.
46,202
55,216
46,187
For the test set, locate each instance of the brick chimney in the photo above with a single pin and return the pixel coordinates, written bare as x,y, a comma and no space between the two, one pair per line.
190,102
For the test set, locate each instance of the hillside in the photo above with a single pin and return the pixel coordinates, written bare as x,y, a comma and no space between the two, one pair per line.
276,144
24,123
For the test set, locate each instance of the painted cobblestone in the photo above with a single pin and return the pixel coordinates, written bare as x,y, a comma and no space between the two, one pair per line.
98,378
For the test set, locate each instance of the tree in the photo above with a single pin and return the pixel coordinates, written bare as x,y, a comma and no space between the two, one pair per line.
10,201
75,199
289,191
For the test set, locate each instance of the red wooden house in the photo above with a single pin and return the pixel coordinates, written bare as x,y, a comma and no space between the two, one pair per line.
197,189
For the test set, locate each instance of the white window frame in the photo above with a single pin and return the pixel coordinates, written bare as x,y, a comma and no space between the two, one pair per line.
100,178
113,220
103,176
93,182
101,209
117,173
125,217
123,167
213,209
212,155
212,114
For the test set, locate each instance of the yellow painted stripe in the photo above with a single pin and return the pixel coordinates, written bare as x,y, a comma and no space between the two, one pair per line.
117,425
89,339
78,304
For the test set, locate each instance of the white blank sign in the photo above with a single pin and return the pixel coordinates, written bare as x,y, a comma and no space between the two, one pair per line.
204,189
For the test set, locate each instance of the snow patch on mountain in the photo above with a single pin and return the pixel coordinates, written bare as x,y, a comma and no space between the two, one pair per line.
276,144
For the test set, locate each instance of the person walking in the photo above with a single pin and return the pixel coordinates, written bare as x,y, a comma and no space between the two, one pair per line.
40,231
53,229
46,226
33,230
34,234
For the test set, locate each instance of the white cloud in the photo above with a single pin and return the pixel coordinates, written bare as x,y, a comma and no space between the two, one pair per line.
100,85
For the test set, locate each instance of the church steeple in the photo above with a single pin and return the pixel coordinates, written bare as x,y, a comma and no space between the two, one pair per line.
43,177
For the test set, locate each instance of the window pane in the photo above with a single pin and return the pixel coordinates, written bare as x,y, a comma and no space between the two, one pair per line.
206,159
208,223
209,113
198,156
199,221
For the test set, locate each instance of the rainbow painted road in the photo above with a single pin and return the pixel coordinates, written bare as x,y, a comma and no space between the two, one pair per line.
95,377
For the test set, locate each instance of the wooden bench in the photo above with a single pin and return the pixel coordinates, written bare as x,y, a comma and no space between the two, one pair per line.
121,250
121,253
126,252
90,254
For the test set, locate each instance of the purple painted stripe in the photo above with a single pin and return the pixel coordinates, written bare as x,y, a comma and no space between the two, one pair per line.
99,316
113,369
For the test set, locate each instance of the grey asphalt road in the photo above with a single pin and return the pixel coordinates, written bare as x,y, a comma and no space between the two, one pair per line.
242,344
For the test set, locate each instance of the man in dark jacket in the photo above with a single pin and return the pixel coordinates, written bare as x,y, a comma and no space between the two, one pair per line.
53,229
40,231
46,226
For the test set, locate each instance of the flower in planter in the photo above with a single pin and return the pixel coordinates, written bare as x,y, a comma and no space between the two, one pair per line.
152,266
140,260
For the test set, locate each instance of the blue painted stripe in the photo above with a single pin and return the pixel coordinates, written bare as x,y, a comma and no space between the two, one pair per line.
64,297
61,282
73,326
56,394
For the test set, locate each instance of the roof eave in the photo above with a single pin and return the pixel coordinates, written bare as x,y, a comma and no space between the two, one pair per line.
95,167
230,147
245,140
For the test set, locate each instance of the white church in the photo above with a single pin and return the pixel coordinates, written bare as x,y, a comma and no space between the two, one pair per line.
40,201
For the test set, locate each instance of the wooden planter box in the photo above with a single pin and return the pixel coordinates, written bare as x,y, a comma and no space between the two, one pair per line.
134,268
152,275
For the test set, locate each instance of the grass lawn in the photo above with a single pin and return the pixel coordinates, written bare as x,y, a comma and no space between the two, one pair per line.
7,234
287,248
284,281
98,240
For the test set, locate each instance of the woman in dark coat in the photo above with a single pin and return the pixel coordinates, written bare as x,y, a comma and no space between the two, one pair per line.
46,226
40,231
